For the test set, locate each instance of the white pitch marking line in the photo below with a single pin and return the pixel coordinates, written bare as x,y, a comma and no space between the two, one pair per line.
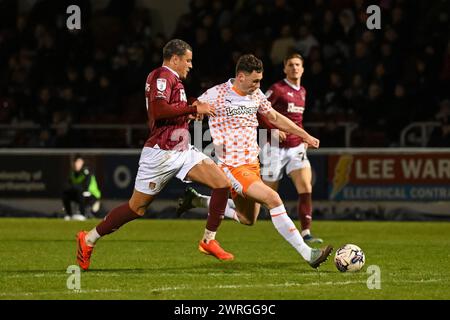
287,284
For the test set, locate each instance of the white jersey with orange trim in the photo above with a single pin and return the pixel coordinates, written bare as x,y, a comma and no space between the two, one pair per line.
233,129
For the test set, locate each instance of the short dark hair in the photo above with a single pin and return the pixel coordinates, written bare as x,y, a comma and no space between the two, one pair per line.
293,55
249,63
175,47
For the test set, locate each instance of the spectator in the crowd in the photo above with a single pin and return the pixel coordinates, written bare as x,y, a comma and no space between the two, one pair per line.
282,45
374,112
445,70
361,61
440,136
328,34
332,135
45,106
68,103
346,26
280,13
334,100
399,111
89,87
44,139
306,41
355,95
106,97
317,83
227,44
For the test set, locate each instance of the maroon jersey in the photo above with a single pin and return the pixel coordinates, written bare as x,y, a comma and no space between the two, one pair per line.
288,100
168,133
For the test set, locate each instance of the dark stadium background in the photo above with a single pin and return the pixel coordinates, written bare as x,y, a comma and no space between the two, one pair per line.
62,89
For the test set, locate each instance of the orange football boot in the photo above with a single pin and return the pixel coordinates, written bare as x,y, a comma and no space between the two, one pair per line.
84,251
213,248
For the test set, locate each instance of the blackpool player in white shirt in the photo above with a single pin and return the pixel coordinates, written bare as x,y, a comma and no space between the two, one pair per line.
233,130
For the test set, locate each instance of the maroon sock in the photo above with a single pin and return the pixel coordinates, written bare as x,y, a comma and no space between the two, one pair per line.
116,218
217,205
305,210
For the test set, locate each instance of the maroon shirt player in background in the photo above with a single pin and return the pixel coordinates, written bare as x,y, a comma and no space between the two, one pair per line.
288,98
167,153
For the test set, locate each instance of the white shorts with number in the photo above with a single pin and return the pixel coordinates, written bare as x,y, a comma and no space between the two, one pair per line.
158,166
274,160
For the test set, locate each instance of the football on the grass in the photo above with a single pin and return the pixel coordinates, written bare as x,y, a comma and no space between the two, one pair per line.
349,258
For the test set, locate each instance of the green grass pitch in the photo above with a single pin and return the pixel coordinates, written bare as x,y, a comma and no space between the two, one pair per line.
158,259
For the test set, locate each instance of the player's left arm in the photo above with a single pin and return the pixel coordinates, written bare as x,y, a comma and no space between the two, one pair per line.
285,124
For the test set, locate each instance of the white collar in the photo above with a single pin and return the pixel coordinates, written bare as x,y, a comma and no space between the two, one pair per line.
173,71
293,86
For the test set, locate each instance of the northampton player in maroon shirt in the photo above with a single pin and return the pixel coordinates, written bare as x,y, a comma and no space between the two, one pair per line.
167,154
288,98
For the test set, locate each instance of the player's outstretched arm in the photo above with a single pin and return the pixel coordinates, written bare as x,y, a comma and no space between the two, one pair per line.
161,109
204,108
287,125
265,123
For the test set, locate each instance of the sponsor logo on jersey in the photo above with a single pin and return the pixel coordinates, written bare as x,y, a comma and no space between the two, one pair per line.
240,110
290,94
161,84
160,94
293,108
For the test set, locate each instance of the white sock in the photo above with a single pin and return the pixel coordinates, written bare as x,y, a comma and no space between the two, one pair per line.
305,232
287,229
92,237
203,202
231,213
208,235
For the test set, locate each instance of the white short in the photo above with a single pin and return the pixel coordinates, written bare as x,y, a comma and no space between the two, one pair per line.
158,166
274,160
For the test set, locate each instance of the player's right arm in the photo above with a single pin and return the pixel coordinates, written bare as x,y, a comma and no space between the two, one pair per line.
163,110
204,108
